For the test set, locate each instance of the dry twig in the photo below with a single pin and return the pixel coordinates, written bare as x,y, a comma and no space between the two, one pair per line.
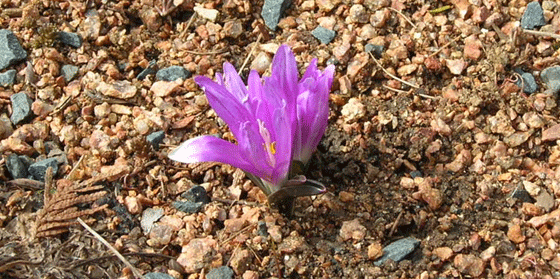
135,271
250,54
391,75
405,17
541,33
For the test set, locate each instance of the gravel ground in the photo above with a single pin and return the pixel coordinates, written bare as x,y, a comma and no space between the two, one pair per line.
441,157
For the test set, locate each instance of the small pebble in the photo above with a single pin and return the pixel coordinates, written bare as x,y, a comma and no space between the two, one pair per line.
188,206
551,77
262,62
487,254
196,194
352,230
165,88
21,108
353,110
150,70
91,25
71,39
155,139
133,205
375,250
233,29
552,133
198,254
16,167
358,14
376,50
149,217
240,261
324,35
7,78
122,89
515,234
38,169
398,250
209,14
529,84
172,73
545,201
456,66
157,275
469,264
6,128
222,272
69,72
444,253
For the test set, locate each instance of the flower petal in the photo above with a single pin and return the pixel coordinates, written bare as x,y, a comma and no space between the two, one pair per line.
312,111
284,74
234,84
211,149
226,105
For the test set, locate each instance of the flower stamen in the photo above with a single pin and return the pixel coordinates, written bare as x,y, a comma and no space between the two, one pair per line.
269,145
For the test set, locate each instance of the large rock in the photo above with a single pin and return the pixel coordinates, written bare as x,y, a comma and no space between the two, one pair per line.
533,16
272,11
10,49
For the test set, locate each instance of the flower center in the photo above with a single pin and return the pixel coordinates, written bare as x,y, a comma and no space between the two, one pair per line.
269,145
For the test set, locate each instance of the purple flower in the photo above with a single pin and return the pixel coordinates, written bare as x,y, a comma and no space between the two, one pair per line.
276,120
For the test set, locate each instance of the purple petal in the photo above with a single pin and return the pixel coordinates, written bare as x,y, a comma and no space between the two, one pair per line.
312,111
211,149
226,105
284,74
234,84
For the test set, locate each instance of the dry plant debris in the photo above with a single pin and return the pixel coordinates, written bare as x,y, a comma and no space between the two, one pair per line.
60,209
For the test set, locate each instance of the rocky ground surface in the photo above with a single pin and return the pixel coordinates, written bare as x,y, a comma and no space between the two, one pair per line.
441,157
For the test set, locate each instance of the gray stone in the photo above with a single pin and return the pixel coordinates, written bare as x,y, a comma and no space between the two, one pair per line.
149,217
39,169
157,275
222,272
533,16
551,77
376,50
21,108
188,206
11,50
71,39
323,34
69,72
155,139
172,73
16,167
148,71
398,250
7,78
196,194
272,11
262,229
529,84
545,200
521,194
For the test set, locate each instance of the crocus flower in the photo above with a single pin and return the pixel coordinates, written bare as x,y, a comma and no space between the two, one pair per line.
277,122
